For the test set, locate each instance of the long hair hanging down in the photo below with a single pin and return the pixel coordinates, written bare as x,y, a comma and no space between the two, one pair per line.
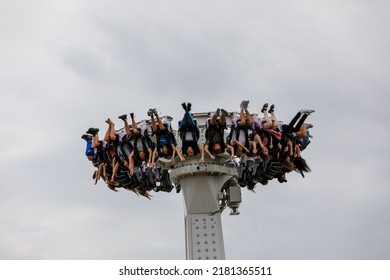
301,165
144,193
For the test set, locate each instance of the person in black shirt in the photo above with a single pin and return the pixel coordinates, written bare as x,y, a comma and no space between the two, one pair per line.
215,134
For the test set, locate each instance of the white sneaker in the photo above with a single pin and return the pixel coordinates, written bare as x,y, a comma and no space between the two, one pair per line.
306,111
308,125
244,104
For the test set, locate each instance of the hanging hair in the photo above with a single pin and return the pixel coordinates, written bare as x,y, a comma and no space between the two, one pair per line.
301,165
286,163
251,186
265,157
144,193
263,181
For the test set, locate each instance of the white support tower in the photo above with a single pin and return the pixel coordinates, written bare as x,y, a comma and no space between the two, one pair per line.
204,186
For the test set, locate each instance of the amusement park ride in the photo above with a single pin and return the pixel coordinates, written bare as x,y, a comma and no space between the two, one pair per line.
207,189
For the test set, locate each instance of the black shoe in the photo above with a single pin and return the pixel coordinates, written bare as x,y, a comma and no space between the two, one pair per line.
89,131
265,107
150,112
189,107
86,137
184,106
271,109
224,112
218,112
132,115
92,131
123,117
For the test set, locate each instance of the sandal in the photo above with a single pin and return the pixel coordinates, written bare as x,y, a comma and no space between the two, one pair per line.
223,111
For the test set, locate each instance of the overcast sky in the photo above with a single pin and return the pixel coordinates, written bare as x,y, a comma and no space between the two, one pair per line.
68,65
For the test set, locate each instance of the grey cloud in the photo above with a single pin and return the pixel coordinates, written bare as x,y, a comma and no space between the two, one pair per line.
332,58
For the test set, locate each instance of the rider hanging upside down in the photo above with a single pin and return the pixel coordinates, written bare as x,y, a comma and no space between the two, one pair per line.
165,147
261,149
143,146
189,134
239,132
295,133
215,133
